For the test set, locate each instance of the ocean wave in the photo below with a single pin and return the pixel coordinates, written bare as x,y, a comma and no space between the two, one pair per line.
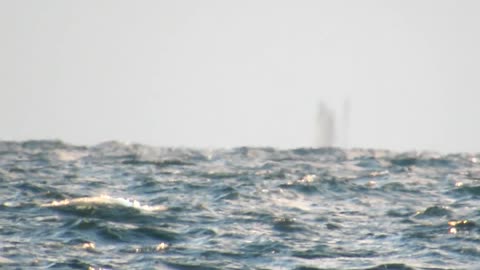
105,200
238,208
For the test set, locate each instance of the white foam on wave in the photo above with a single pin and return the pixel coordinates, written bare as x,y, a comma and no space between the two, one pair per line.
106,200
4,260
65,155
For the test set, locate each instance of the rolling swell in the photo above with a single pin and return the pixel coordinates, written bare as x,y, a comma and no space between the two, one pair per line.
121,206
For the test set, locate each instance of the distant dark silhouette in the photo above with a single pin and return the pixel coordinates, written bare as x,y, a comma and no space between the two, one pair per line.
325,126
329,132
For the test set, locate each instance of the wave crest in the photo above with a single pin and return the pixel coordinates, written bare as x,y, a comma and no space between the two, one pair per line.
107,201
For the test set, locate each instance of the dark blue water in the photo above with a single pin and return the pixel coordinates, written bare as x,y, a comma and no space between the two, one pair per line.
127,206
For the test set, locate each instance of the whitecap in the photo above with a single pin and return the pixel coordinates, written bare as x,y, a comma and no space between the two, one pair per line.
107,201
4,260
65,155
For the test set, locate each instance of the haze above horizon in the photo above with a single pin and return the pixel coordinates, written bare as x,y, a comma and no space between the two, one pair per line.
244,73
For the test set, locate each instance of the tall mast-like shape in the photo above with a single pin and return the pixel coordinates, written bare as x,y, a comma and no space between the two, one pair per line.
345,123
325,126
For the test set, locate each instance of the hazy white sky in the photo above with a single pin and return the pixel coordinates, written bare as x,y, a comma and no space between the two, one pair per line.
233,73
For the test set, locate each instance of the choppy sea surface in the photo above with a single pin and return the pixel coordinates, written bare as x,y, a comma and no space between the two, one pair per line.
131,206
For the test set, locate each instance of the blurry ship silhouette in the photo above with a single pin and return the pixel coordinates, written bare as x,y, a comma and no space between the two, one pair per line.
332,128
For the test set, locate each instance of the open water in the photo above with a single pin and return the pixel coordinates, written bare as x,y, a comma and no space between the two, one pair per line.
130,206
